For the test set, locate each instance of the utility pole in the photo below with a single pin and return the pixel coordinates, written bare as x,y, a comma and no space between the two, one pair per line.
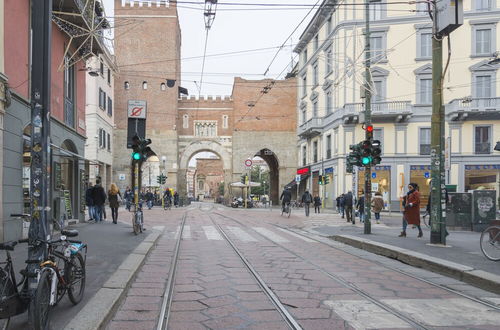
438,190
41,22
368,120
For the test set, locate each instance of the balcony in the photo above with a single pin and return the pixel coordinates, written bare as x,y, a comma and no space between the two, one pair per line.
485,108
311,128
397,110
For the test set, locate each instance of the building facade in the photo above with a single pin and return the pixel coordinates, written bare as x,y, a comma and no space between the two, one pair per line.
330,108
99,117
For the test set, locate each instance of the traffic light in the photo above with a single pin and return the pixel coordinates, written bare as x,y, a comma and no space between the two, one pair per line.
140,148
326,179
354,157
376,151
369,132
320,180
161,179
349,167
366,152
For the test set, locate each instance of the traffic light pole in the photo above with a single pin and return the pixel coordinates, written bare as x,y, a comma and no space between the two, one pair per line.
438,191
368,120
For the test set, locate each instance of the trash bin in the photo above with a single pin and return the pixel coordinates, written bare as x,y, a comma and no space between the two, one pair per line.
483,208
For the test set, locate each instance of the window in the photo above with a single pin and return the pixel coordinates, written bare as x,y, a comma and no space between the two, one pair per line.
109,76
126,85
110,107
102,99
225,121
315,151
201,185
304,116
376,48
329,61
101,69
483,86
185,121
329,25
69,93
482,5
328,146
376,10
163,87
205,128
425,141
315,108
483,41
304,85
316,43
424,47
482,139
422,9
109,142
379,91
315,74
304,156
425,91
144,85
304,56
328,102
102,138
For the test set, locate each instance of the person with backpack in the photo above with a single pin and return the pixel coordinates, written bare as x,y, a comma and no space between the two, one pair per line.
348,206
89,201
99,198
317,204
307,200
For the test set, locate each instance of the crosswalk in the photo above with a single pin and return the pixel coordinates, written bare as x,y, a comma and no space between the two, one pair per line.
242,234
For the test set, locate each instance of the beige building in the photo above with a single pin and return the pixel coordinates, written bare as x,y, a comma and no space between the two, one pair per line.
99,117
330,106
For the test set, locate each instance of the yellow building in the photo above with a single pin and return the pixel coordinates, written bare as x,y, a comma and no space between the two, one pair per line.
330,105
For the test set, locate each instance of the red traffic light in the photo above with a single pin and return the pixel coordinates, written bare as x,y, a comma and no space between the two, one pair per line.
369,128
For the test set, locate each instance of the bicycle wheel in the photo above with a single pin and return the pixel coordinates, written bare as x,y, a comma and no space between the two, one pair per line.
75,278
135,225
41,308
490,243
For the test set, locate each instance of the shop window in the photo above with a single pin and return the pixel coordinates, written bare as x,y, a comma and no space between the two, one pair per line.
481,177
315,151
425,141
482,139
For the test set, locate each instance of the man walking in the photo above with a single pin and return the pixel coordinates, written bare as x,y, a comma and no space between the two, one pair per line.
307,199
360,206
317,204
99,198
348,206
89,201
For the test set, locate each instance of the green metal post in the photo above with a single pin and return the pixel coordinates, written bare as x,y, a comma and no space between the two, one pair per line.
368,120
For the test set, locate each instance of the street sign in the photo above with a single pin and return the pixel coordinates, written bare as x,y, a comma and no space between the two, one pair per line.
248,162
137,109
297,178
121,177
374,175
427,175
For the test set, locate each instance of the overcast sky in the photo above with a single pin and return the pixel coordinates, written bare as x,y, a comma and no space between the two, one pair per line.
236,29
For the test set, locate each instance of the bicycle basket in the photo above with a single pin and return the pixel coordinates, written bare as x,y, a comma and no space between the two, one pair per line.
10,302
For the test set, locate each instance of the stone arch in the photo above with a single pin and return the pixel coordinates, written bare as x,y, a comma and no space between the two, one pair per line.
70,146
272,161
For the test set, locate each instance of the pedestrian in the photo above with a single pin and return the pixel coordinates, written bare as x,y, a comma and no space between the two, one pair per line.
99,198
114,198
377,205
411,206
348,206
360,206
149,199
167,198
317,204
89,201
338,203
128,196
342,205
176,199
307,199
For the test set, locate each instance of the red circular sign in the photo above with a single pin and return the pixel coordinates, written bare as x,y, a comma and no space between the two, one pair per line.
248,162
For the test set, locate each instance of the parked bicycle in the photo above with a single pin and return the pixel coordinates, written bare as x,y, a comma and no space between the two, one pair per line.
287,209
490,243
62,272
138,218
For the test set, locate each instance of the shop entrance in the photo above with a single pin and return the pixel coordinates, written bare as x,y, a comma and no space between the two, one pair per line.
381,182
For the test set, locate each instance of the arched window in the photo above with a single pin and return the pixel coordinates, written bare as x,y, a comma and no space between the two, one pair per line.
126,85
185,121
144,85
163,86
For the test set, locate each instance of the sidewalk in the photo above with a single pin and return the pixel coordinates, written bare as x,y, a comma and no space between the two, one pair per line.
460,258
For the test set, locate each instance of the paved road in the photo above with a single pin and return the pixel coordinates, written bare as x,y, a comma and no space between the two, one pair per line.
253,269
109,245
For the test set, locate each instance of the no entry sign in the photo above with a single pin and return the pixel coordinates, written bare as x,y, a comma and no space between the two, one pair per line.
137,109
248,162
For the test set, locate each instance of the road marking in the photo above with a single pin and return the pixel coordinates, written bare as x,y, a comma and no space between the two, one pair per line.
363,314
212,233
271,235
288,232
241,234
186,233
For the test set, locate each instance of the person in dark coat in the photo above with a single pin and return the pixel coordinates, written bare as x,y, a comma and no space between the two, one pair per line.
342,205
114,197
128,196
317,204
348,206
99,197
307,200
89,201
411,213
176,199
149,199
286,198
360,206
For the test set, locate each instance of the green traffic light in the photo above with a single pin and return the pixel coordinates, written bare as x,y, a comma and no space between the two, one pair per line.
366,160
136,156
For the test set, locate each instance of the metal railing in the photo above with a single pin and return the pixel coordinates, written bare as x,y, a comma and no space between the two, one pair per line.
474,104
380,107
313,123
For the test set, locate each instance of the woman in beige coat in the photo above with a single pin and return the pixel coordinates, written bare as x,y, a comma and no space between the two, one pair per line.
377,205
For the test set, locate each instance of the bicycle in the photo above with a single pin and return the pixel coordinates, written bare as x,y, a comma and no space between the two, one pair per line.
490,243
167,204
286,209
138,219
53,282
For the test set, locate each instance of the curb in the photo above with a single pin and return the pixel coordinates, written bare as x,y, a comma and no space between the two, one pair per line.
478,278
100,308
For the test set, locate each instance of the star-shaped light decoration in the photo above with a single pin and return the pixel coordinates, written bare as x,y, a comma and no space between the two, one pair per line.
84,22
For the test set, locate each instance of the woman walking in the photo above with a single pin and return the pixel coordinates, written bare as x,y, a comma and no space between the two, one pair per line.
114,198
377,205
411,213
317,204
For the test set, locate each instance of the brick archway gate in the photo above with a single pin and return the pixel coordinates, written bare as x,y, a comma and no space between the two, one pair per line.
186,153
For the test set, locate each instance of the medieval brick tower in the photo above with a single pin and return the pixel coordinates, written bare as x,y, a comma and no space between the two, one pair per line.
147,49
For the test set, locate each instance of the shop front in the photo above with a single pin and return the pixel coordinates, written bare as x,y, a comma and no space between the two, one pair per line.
421,175
482,177
381,182
328,195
